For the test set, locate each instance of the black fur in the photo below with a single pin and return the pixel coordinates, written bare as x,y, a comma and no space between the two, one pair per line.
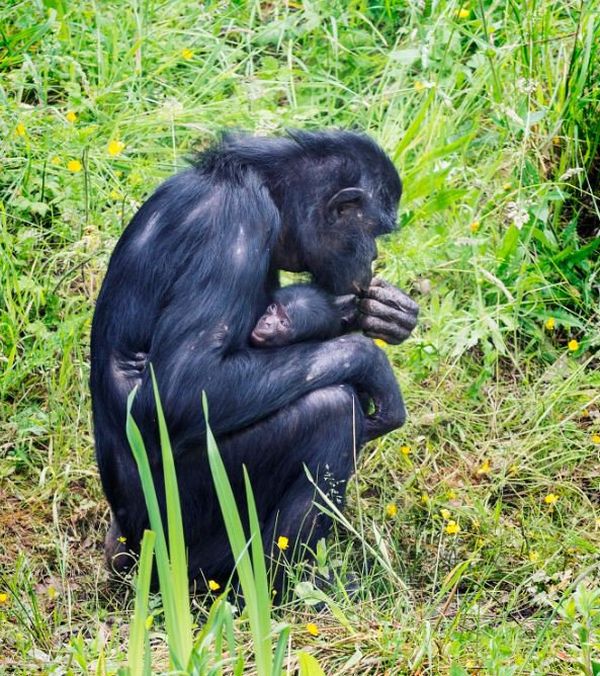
186,284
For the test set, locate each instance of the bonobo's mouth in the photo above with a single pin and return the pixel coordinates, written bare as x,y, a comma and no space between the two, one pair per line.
257,338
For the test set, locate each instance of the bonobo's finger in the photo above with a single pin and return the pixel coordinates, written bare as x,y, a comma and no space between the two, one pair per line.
390,295
390,332
374,308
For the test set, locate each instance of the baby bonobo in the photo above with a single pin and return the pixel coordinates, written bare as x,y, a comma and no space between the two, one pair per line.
302,312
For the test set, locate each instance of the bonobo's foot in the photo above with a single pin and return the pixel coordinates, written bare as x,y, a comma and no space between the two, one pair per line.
387,312
118,557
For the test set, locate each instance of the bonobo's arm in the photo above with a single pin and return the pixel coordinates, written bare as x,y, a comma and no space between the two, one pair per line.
259,382
386,312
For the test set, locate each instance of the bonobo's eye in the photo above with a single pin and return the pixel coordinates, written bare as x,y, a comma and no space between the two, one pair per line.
347,208
346,202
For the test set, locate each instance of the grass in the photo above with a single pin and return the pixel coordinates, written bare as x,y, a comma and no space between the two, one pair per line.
490,110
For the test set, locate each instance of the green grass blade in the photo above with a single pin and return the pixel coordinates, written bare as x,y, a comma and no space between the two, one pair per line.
177,549
237,540
309,666
138,653
280,651
136,442
261,582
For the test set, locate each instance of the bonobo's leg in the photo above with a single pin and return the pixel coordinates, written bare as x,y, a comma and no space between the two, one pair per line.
329,460
318,432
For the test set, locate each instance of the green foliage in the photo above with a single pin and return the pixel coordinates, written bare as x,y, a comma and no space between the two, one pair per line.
171,559
490,110
188,654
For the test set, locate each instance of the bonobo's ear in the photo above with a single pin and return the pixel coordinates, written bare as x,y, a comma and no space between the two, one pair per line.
348,198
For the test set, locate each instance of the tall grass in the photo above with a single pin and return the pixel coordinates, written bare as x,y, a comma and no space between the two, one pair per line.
189,654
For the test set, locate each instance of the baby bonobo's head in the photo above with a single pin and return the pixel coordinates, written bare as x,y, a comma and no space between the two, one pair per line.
274,328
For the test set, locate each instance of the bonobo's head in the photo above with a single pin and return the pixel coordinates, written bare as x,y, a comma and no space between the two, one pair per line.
273,328
356,192
341,193
336,192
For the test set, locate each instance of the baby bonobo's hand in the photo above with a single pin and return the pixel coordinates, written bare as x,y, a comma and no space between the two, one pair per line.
347,309
387,312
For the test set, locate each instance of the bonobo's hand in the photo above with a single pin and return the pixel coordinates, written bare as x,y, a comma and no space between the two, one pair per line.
387,312
347,308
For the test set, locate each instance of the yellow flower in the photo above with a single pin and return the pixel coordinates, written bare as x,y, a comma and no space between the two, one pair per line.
379,342
573,345
115,147
474,227
71,116
74,166
596,438
556,140
187,54
391,510
283,542
550,324
485,468
551,499
312,629
20,129
424,498
445,514
405,450
419,86
55,160
507,186
115,195
149,622
451,494
513,469
51,592
452,528
213,585
534,556
122,539
463,13
3,598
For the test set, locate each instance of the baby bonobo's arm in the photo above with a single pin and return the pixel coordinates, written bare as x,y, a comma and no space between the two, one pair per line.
301,312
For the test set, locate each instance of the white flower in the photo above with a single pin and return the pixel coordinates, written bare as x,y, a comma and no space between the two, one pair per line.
573,171
517,214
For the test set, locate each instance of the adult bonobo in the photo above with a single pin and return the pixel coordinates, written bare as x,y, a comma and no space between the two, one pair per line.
186,284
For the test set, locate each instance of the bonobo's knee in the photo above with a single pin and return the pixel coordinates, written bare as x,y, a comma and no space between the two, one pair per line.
331,400
338,406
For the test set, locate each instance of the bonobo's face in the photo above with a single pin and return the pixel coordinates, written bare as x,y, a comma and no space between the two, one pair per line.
344,248
273,328
339,243
334,204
